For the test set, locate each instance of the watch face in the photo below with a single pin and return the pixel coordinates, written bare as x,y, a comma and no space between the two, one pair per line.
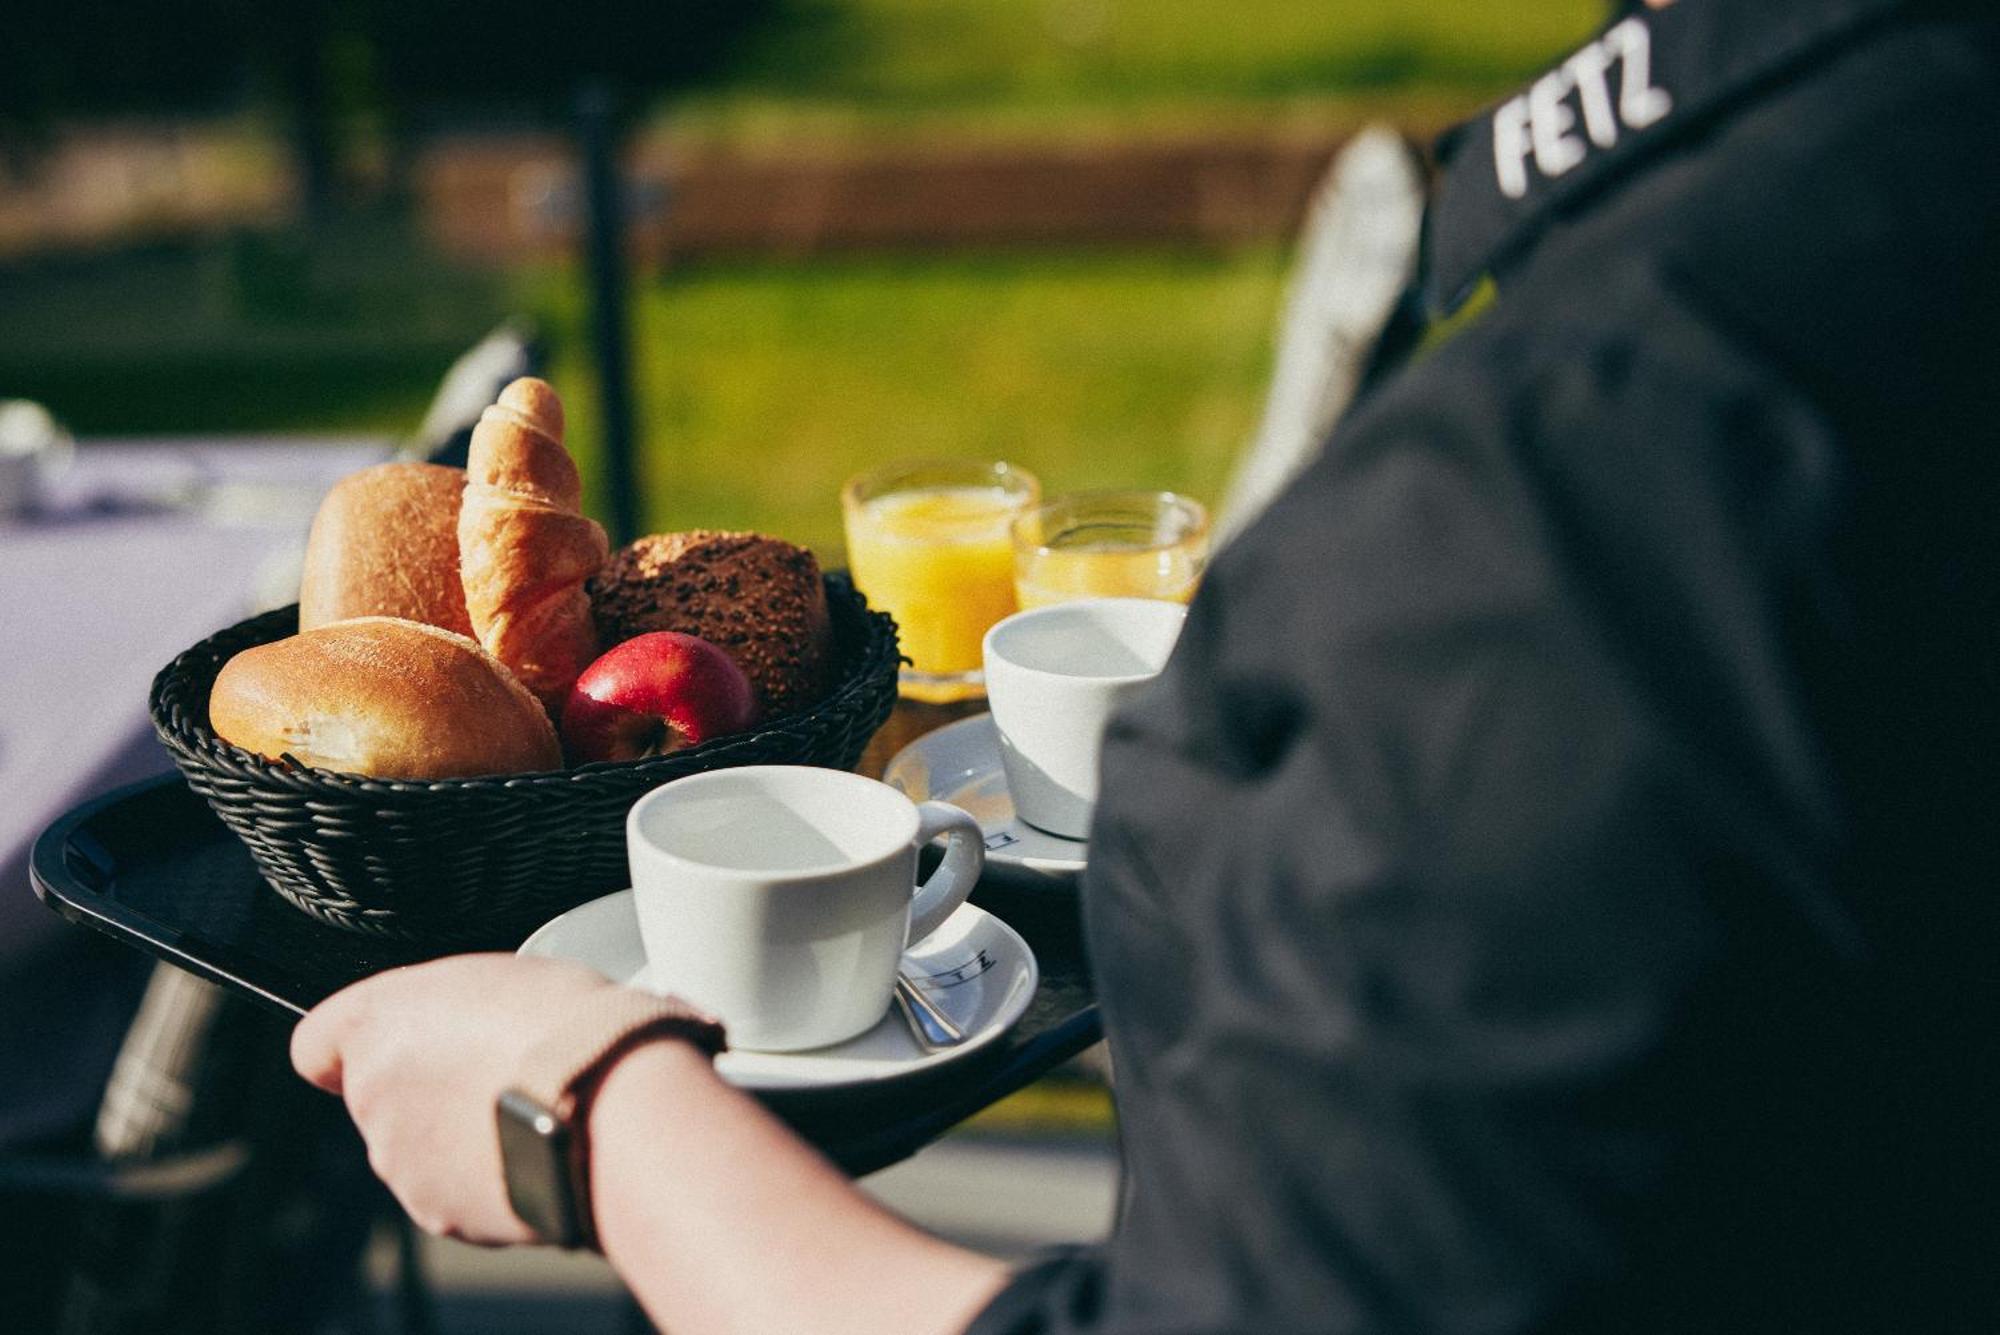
535,1155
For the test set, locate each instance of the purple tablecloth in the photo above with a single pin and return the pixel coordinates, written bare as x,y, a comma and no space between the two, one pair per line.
142,548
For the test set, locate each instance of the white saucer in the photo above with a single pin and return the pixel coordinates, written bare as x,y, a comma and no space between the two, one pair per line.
960,764
975,968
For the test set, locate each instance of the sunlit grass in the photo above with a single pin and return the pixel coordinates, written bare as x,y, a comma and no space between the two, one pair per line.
762,388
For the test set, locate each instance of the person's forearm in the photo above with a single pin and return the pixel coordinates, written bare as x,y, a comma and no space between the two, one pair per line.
720,1219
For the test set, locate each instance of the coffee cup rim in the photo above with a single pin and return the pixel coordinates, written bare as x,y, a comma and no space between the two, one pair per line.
1157,608
904,810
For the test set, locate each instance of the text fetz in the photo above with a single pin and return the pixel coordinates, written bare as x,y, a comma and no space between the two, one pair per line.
1543,121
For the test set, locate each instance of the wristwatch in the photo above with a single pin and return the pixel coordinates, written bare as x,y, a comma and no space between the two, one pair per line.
544,1151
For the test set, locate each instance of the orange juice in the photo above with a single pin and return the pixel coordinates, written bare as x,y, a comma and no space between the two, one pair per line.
939,560
1110,544
1108,570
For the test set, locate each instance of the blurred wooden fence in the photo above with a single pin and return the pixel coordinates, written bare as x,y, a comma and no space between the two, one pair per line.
506,198
503,197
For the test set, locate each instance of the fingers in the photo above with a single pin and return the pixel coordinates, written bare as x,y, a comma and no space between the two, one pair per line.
318,1038
458,984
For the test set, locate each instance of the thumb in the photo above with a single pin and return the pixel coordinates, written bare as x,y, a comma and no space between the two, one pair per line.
317,1039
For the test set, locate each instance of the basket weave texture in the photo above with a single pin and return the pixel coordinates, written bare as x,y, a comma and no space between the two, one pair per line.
480,862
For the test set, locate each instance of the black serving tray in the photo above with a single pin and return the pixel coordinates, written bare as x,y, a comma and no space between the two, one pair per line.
152,866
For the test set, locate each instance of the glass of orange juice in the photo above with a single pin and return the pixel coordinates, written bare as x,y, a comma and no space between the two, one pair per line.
1110,544
929,544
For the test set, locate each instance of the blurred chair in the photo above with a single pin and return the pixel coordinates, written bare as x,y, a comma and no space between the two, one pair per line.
1357,255
474,381
218,1195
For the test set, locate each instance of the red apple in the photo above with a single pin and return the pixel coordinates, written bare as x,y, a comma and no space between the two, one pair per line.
653,694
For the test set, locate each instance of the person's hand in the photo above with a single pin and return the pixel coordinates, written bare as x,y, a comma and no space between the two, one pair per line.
421,1054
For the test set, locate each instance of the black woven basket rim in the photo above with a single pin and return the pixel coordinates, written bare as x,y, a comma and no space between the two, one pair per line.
865,641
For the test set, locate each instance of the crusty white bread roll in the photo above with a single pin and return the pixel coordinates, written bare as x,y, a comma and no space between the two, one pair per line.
525,547
384,697
761,598
385,544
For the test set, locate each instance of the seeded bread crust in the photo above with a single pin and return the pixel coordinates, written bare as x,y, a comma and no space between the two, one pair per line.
759,598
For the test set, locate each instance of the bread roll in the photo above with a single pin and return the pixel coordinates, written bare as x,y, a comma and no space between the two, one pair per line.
385,543
525,547
760,598
384,697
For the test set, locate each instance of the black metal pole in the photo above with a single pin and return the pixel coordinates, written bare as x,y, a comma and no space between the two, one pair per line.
604,239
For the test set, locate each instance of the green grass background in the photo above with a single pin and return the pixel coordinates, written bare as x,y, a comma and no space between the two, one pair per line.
762,391
759,388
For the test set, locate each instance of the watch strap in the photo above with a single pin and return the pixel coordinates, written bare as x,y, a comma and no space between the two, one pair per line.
544,1115
599,1028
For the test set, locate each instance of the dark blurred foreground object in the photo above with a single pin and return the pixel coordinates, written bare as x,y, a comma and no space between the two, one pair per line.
218,1195
1550,890
598,143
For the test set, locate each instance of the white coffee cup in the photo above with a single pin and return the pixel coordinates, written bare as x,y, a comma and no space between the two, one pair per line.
1053,677
779,897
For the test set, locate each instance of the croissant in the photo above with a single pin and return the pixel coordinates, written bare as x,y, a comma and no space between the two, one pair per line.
525,547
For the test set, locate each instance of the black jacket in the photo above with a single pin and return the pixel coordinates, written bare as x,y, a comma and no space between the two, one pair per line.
1553,888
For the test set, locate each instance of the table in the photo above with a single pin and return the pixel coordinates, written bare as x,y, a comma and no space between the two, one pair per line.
141,548
153,867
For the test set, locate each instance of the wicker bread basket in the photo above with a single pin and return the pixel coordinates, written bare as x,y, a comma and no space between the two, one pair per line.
480,862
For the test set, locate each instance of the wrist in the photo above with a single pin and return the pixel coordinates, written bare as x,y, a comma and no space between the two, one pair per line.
648,1115
658,1059
545,1113
637,1094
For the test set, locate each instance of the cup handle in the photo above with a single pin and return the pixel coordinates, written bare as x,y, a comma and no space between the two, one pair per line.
964,858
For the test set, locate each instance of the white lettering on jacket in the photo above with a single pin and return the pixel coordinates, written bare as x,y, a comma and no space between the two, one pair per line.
1541,123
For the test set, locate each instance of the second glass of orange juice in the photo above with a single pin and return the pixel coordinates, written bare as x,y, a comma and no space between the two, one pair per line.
928,543
1110,544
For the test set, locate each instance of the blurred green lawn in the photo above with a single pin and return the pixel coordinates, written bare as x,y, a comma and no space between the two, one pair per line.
762,388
